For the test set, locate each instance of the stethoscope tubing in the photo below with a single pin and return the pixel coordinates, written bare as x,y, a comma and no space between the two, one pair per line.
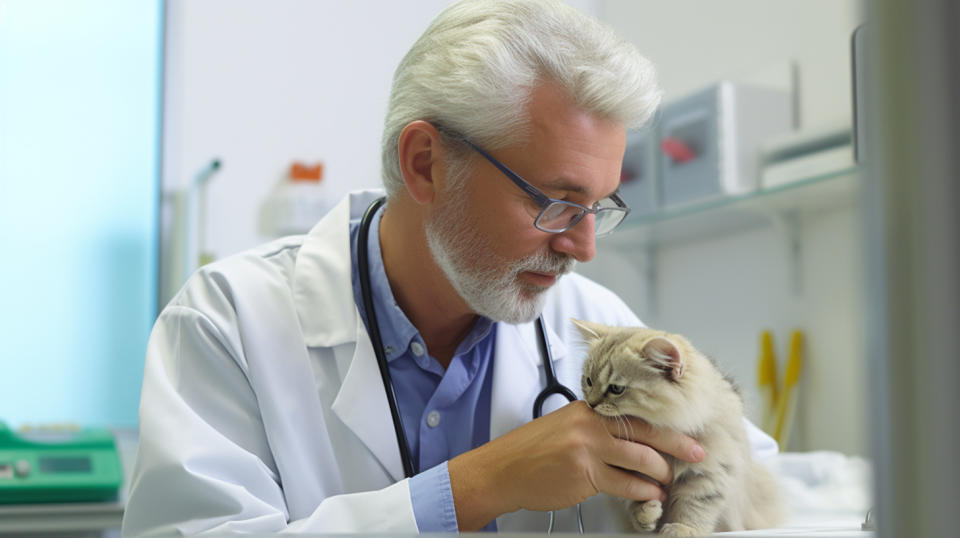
553,385
409,466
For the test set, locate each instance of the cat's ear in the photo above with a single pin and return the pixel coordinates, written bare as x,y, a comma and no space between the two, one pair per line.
590,331
666,355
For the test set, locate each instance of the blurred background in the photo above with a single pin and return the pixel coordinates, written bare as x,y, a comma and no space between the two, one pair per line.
139,140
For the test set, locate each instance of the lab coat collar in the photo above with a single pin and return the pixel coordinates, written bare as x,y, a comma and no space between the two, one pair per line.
324,304
329,317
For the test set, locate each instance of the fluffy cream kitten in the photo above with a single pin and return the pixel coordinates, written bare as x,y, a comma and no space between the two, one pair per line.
662,379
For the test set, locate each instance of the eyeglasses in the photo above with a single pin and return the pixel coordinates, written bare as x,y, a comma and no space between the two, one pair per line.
558,216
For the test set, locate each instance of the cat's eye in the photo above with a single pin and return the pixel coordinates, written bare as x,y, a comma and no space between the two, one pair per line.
615,389
589,383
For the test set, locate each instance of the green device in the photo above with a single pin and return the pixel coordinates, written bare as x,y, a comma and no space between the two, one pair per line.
58,465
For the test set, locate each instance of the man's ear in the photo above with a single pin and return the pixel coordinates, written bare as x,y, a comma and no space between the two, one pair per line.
420,155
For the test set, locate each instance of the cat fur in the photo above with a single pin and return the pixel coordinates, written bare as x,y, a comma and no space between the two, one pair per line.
671,385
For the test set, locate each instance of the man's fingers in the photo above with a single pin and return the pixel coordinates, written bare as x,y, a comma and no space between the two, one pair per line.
625,485
640,458
671,442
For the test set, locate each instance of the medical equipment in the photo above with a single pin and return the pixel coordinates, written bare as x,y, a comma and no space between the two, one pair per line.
787,404
639,175
297,202
779,398
804,154
552,386
187,239
58,465
767,382
709,140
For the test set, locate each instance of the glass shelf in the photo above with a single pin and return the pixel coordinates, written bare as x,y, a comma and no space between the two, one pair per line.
726,215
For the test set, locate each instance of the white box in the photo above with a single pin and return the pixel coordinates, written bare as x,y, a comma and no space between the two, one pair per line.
639,176
710,140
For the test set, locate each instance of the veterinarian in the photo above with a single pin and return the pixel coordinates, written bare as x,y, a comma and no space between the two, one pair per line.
263,406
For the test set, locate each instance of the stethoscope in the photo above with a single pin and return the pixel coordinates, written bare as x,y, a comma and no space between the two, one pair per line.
552,386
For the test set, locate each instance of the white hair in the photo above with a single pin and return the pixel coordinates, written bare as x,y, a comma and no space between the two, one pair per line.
473,69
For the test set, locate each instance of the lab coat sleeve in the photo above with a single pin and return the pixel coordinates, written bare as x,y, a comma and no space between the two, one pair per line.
204,463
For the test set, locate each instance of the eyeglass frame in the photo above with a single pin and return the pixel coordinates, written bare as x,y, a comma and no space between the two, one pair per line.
545,201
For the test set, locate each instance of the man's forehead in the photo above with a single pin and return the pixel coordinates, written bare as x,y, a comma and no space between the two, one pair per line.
575,163
585,187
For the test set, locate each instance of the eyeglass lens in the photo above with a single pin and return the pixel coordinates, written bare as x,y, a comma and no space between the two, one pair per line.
558,217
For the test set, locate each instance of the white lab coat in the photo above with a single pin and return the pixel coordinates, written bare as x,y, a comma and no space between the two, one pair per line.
263,410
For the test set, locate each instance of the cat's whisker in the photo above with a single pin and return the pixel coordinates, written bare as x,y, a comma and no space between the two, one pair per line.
627,430
629,427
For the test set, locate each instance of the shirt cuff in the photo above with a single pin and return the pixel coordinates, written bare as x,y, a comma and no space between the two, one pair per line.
432,500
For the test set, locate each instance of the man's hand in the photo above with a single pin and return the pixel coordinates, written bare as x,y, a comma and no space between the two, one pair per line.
561,459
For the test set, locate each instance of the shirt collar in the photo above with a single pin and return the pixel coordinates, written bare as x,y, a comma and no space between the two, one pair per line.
396,330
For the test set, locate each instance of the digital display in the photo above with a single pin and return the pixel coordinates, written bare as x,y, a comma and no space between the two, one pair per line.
65,465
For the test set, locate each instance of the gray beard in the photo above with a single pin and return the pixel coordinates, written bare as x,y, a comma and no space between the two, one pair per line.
488,283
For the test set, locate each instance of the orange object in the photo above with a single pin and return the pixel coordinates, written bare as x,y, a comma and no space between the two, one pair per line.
302,172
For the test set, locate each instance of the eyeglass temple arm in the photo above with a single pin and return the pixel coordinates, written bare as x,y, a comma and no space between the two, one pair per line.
532,191
537,196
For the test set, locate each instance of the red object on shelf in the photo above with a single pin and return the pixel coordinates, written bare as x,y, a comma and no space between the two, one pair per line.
677,150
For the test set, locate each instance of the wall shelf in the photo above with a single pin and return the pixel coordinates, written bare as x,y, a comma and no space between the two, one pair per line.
783,208
732,214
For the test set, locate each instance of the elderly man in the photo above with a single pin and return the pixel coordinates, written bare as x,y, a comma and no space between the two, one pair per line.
264,408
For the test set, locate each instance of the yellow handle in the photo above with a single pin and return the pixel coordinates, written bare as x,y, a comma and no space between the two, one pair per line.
786,405
767,381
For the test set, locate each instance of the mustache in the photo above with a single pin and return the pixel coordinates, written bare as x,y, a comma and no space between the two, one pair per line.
549,262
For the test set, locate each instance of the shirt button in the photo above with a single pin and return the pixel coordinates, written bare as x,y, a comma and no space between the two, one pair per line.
433,418
417,348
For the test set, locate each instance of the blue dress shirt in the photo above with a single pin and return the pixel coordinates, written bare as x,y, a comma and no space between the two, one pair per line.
445,412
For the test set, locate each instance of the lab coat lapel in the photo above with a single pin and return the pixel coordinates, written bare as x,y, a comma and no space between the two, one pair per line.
518,375
362,405
328,317
322,288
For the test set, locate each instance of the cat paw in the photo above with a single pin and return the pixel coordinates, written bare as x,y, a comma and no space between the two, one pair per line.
646,515
679,529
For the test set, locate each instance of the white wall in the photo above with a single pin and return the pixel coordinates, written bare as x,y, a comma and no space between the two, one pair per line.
723,292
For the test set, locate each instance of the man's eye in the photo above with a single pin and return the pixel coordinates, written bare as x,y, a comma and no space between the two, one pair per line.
615,389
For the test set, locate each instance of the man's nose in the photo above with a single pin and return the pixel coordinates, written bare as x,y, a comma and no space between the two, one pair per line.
580,241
